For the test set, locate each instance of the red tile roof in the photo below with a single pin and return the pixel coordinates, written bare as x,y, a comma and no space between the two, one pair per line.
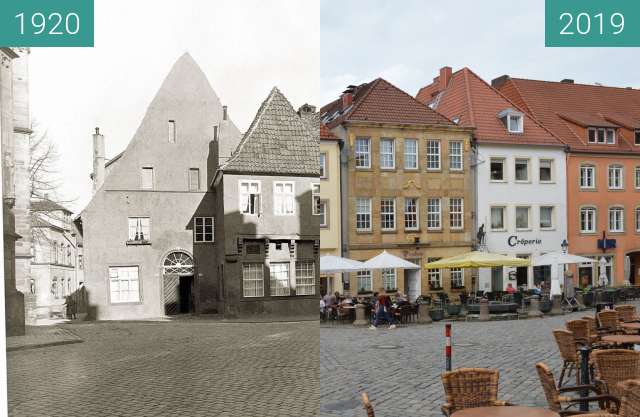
326,134
381,102
560,106
476,104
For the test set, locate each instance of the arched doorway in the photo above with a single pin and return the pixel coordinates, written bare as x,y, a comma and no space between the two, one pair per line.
178,282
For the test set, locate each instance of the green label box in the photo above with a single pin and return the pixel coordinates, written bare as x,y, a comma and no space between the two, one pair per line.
29,23
608,23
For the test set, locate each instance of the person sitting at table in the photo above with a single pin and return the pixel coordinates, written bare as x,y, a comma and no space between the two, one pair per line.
383,311
537,290
511,289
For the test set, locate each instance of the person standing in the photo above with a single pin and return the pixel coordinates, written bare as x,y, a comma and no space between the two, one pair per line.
383,311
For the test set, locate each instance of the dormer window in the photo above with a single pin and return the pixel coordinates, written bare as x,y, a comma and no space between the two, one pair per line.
637,142
602,135
513,120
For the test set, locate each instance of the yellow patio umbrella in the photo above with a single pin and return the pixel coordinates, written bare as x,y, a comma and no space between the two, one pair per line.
477,259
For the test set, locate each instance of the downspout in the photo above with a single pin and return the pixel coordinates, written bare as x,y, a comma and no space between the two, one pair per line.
344,201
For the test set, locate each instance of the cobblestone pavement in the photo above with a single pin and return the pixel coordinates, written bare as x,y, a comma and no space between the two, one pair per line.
189,368
405,381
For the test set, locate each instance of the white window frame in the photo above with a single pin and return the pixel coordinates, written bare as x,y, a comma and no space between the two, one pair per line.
323,213
583,171
149,169
415,214
553,213
414,155
387,218
588,214
457,214
116,273
305,278
637,219
201,229
385,155
315,199
367,213
366,277
456,156
637,178
197,173
434,155
245,196
519,126
516,161
133,227
252,273
361,154
277,276
457,274
389,277
172,131
503,161
284,203
552,170
528,218
504,218
620,210
323,166
434,217
615,181
434,275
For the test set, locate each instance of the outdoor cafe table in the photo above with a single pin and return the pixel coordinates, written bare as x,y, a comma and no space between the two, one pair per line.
622,339
505,411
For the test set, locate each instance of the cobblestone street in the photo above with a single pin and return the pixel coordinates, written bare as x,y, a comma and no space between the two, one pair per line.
400,369
180,368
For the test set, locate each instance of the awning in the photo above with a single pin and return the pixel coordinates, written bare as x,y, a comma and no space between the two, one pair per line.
330,264
477,259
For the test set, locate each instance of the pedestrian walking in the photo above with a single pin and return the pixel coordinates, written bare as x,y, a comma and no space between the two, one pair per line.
383,310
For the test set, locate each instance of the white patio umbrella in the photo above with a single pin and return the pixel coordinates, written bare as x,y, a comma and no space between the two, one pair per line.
555,259
386,260
603,280
330,264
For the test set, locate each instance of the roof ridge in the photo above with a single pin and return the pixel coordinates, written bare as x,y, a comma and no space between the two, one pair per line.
528,109
574,84
465,72
571,130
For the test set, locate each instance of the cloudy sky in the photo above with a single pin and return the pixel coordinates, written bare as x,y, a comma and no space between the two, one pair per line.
407,42
244,47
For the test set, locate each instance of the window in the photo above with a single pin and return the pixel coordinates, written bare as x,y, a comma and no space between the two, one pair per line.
587,220
387,153
497,169
250,197
457,278
388,213
434,276
515,123
124,284
323,165
363,153
611,136
616,219
364,281
546,217
497,218
363,214
139,229
410,154
252,280
203,229
315,199
389,279
194,179
279,278
147,178
587,176
284,202
546,170
172,131
615,177
522,218
638,219
602,135
455,156
433,214
433,155
305,278
411,221
322,212
456,213
522,169
638,178
637,142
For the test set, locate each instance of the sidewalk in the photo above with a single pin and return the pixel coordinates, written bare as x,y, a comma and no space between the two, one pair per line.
41,336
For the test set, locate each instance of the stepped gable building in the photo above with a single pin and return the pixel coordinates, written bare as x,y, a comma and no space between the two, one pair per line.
267,235
520,184
407,188
601,127
152,207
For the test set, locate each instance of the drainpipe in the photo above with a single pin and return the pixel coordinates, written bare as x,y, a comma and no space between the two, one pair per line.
344,202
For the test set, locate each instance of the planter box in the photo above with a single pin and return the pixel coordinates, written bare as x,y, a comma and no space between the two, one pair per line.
436,315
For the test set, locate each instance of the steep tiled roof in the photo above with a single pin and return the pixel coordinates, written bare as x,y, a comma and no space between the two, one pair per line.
382,102
476,104
326,134
277,142
47,205
558,105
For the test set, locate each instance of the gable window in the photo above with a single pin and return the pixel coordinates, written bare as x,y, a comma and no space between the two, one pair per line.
363,153
315,199
124,285
252,280
601,135
388,213
411,221
433,155
410,154
249,197
323,165
615,177
322,212
638,219
497,218
587,176
546,170
363,214
389,279
497,169
457,278
279,279
522,170
203,229
513,120
146,182
387,153
194,179
546,217
139,229
172,131
456,213
588,220
455,156
637,142
434,214
522,218
284,198
305,278
637,178
364,281
616,219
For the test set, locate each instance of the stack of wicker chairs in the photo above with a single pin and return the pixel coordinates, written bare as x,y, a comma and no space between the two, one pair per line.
614,366
469,388
629,404
581,330
610,321
627,313
568,348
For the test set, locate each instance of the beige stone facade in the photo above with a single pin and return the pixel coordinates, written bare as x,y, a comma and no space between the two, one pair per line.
330,200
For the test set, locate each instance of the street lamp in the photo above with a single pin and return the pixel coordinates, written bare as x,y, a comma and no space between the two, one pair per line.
564,245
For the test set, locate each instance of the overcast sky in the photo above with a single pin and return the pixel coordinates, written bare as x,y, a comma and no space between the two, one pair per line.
244,47
406,42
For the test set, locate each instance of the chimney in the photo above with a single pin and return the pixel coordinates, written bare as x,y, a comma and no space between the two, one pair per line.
445,77
98,160
225,114
498,82
567,81
215,133
347,97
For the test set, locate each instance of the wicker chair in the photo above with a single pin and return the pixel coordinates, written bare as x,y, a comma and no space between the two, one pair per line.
568,352
613,366
367,405
630,403
561,403
593,326
581,330
469,388
609,321
627,313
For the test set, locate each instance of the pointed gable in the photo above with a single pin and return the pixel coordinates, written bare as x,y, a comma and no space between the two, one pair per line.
278,141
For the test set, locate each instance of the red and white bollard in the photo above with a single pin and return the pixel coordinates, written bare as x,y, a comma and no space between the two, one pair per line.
447,348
